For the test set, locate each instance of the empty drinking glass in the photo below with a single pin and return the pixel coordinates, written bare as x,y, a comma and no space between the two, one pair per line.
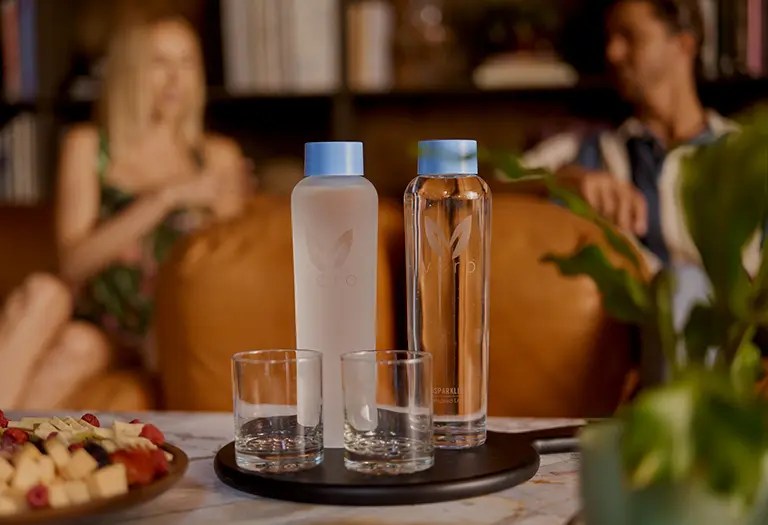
278,410
387,411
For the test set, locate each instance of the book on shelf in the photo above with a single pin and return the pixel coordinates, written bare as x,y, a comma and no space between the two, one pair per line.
276,46
371,32
736,32
19,174
19,41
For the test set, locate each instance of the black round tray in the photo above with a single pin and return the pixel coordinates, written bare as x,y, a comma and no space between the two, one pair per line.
504,461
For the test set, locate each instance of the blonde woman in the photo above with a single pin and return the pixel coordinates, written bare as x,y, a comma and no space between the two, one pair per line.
128,188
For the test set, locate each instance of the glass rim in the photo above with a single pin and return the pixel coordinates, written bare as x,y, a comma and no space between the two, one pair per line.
413,357
261,356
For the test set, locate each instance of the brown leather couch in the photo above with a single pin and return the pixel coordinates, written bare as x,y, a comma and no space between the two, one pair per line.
230,288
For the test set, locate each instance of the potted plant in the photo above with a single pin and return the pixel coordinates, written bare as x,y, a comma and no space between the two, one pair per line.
694,449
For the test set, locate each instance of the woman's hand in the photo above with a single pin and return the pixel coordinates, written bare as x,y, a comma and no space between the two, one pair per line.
200,191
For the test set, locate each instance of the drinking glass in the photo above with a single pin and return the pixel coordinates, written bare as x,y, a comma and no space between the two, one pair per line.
387,411
278,410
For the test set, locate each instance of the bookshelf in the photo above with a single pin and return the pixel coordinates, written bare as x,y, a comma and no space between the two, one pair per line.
276,122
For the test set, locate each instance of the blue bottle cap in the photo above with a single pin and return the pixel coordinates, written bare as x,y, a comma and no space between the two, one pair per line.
333,158
447,157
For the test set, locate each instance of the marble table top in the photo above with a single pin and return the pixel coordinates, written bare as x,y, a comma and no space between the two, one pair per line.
550,498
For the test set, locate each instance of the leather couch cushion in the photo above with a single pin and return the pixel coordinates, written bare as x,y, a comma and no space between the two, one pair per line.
230,289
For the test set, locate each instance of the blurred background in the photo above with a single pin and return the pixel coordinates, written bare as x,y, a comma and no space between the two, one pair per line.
388,72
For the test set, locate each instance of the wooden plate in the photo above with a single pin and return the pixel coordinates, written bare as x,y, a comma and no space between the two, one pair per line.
135,496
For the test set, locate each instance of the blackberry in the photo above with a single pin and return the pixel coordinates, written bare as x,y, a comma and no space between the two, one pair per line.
38,443
99,454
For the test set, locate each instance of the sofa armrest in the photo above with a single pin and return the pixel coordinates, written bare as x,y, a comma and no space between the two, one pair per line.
116,391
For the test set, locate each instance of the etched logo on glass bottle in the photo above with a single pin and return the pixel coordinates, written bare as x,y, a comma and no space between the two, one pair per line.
456,245
329,259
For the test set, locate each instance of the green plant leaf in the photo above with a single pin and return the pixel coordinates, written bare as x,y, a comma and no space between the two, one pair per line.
624,297
746,368
662,321
656,444
723,189
730,436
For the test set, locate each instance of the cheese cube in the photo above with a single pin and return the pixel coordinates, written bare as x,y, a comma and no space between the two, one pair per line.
109,445
47,470
10,505
77,492
28,450
79,466
58,452
123,430
6,471
108,482
44,429
27,474
57,496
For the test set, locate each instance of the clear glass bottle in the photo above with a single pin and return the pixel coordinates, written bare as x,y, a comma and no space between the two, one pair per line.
447,218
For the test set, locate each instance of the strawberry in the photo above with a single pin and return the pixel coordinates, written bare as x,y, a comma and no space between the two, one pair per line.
91,420
139,466
152,433
160,462
37,497
135,421
3,420
75,446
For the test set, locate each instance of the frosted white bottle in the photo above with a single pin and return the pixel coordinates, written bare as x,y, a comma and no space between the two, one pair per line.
334,214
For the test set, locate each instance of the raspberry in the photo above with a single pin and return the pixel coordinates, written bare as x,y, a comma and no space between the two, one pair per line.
3,420
152,433
37,497
52,435
75,446
91,420
15,436
135,421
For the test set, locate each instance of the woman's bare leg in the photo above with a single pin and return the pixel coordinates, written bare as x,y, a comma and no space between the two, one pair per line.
29,322
80,352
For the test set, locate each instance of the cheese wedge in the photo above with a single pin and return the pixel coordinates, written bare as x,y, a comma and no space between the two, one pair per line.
47,470
58,452
6,471
57,496
80,464
108,481
34,420
124,430
139,443
27,474
43,430
77,492
22,425
101,433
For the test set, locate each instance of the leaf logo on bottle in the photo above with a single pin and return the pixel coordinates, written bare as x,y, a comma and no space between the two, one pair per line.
331,257
440,243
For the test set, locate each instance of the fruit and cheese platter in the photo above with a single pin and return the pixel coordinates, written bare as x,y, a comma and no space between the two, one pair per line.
61,468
